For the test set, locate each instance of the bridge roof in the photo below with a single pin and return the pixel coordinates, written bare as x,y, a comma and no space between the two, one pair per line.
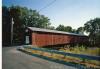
52,31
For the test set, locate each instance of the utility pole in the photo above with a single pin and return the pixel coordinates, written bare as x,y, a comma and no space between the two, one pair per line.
12,22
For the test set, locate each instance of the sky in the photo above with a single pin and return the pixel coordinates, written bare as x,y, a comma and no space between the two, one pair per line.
72,13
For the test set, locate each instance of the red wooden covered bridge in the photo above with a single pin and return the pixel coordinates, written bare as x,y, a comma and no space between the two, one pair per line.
45,38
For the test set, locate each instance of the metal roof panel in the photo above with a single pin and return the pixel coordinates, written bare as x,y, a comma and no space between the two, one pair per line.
52,31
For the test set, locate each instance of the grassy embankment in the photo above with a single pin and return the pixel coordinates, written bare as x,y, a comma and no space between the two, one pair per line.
93,51
77,50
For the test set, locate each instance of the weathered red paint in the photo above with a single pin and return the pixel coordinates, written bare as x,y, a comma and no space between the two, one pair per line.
44,39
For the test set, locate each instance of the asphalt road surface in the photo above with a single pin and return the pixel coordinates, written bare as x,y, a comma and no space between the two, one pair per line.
14,59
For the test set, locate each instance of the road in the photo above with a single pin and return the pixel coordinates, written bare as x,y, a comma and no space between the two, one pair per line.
14,59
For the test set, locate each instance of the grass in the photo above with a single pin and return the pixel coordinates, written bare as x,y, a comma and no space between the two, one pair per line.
95,51
78,50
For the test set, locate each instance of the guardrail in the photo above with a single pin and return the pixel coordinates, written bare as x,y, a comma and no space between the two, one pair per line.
69,54
78,66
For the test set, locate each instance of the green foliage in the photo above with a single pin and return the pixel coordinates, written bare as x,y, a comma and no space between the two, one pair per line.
93,28
24,17
68,28
60,28
80,30
81,49
29,17
74,31
64,28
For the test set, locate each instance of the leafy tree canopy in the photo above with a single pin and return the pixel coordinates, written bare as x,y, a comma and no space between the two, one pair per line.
24,17
93,28
66,28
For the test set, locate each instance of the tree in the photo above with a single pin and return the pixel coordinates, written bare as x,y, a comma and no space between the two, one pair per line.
24,17
65,28
51,27
60,28
68,28
34,19
80,30
74,31
93,28
6,26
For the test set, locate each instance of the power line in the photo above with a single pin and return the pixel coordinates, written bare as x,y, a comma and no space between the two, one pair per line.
47,5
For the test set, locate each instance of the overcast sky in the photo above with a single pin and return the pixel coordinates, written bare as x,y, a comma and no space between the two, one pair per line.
67,12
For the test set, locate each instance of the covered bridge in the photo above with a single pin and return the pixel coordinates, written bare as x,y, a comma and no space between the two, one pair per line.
45,38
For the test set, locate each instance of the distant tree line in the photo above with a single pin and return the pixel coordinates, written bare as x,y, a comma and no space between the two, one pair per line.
24,17
92,27
70,29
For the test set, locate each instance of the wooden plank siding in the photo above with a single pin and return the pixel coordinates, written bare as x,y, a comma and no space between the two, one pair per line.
44,39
